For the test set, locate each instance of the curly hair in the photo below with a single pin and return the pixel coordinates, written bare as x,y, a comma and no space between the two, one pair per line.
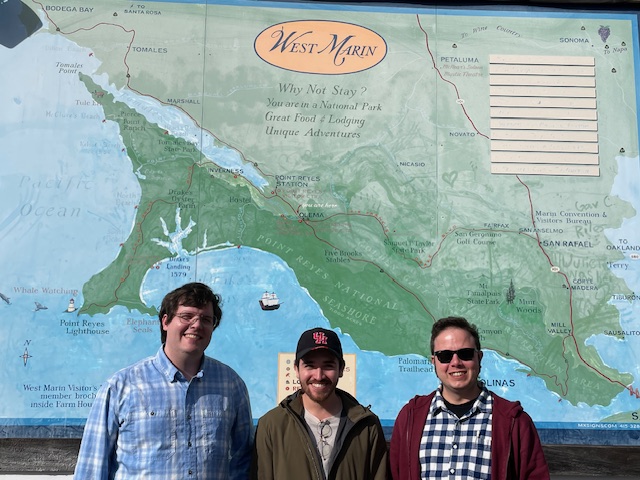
192,295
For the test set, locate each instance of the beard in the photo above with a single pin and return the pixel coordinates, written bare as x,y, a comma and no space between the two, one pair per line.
318,395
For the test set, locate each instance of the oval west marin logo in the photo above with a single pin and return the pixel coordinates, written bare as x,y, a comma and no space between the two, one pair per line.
320,46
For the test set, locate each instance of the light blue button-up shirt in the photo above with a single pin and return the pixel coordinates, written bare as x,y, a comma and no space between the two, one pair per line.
148,422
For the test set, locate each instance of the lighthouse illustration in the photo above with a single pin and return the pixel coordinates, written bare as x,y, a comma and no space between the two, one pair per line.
72,306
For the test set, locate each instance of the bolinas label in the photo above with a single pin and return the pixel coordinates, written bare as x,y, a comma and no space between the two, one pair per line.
319,46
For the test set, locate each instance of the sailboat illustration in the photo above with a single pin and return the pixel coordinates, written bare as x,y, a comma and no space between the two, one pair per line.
269,301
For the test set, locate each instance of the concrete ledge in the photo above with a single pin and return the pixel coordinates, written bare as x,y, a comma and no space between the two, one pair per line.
58,456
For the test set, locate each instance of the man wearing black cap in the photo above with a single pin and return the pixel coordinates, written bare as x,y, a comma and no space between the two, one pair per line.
319,432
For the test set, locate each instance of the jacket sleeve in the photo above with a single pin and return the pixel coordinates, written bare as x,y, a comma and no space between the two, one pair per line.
528,454
379,467
398,447
262,461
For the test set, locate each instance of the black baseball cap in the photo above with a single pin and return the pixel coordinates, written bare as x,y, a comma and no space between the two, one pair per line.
319,338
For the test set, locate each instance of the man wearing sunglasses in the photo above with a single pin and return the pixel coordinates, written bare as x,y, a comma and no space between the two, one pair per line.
462,430
177,414
319,432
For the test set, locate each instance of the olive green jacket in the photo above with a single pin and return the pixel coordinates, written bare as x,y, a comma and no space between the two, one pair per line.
284,449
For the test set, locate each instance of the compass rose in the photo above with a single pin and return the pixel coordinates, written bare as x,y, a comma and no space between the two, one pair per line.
25,356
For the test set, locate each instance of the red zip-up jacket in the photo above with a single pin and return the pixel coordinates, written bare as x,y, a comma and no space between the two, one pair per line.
516,452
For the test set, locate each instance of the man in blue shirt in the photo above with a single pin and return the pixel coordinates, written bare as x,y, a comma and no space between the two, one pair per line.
176,415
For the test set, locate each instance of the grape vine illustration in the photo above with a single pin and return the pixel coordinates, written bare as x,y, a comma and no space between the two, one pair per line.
604,32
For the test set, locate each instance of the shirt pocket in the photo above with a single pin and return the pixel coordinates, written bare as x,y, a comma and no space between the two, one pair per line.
482,442
481,448
150,434
216,422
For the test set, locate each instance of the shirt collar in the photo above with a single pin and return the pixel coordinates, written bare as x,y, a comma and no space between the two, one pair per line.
482,403
169,370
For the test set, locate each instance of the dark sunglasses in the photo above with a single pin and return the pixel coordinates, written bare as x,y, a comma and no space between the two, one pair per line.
464,354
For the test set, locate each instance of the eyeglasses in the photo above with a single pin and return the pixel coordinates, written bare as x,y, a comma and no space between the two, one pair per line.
325,431
464,354
188,318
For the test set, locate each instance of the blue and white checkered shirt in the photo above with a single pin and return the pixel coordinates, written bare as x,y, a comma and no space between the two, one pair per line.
455,448
148,422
